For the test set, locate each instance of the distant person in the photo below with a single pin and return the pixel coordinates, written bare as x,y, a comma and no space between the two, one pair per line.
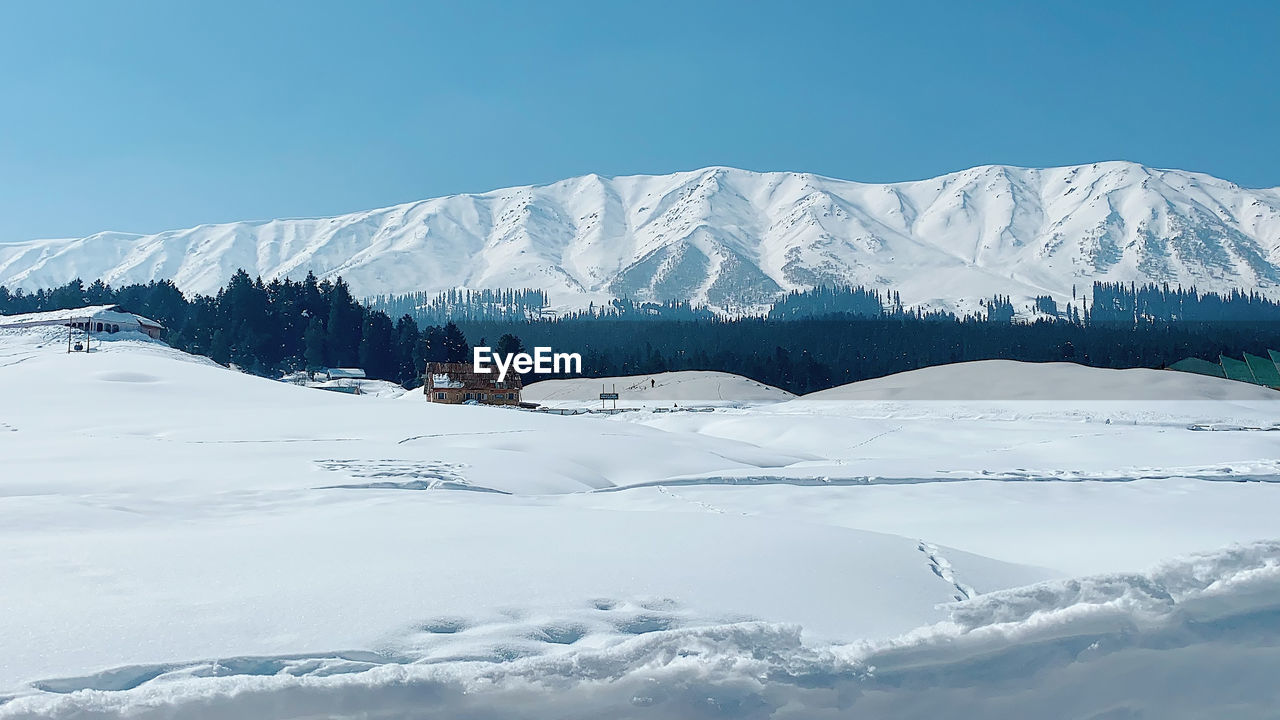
652,384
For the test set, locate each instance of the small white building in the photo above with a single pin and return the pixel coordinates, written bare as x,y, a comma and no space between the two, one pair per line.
343,380
94,318
344,374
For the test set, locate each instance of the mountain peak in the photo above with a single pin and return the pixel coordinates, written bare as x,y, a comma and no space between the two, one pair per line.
735,239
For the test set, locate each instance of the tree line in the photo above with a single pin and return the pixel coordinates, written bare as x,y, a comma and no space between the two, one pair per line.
811,340
269,328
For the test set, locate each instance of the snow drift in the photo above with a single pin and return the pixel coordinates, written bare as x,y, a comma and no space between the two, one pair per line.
1193,638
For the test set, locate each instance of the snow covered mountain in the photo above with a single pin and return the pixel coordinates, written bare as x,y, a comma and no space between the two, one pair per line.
735,239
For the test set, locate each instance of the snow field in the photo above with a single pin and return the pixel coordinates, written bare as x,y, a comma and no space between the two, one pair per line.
185,541
660,390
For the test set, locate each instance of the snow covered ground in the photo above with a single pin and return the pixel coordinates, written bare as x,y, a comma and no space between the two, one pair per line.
180,540
368,388
660,390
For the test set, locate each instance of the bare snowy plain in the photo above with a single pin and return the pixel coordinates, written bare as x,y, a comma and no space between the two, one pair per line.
993,540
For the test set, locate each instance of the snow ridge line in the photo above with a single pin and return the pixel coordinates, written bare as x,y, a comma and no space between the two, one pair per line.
828,480
943,569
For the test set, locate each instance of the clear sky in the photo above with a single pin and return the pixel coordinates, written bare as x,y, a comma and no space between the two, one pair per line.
145,116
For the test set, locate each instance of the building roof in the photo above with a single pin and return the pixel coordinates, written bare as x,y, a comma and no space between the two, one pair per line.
442,380
55,315
463,375
106,313
345,373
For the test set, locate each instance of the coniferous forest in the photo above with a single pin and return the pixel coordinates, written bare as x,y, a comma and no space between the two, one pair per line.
808,341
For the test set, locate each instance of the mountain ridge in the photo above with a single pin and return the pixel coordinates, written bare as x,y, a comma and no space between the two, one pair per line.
734,239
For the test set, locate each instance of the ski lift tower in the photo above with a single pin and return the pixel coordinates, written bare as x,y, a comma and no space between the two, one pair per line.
71,331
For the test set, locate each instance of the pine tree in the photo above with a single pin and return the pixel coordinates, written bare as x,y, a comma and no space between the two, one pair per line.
455,345
219,349
99,293
313,342
408,349
509,344
433,345
377,352
68,296
342,331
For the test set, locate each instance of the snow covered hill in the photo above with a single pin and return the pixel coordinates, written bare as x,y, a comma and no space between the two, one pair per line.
688,388
735,239
1004,380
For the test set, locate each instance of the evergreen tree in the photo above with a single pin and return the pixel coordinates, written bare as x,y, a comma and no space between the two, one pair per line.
242,306
68,296
313,342
455,344
408,352
433,345
342,331
219,349
509,344
377,351
99,293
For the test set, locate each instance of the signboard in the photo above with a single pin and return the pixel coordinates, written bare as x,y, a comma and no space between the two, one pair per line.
608,396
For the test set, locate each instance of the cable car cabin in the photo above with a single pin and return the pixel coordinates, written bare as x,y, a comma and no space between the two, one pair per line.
457,383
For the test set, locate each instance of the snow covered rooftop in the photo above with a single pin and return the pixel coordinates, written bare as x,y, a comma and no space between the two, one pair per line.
443,380
111,313
55,315
345,373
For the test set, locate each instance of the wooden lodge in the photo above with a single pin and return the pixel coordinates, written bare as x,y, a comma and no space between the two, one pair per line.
456,383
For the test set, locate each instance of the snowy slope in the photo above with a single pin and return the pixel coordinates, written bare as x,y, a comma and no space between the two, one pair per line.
181,540
734,239
1001,421
1056,381
686,388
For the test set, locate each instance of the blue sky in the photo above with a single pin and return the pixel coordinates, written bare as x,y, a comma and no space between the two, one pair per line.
144,116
